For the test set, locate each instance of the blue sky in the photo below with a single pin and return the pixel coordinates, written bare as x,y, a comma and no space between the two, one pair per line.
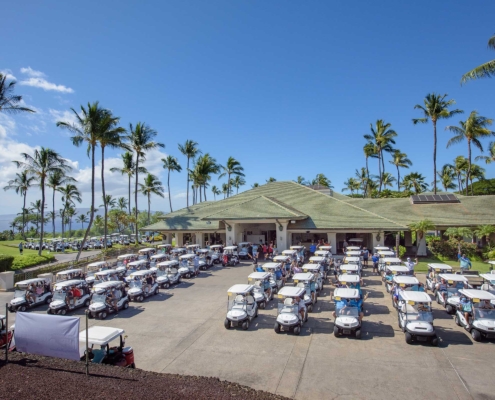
286,87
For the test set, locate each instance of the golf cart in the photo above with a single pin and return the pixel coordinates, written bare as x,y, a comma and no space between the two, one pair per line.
386,261
69,274
106,276
306,280
401,284
93,268
381,248
320,261
384,254
101,305
164,248
301,250
126,257
192,248
243,250
347,312
157,258
326,248
5,334
482,324
216,255
390,271
286,263
241,306
488,282
134,266
272,268
288,316
230,256
317,271
353,253
432,276
170,270
24,291
124,240
351,269
263,292
451,297
349,281
65,299
138,288
146,253
293,256
323,253
177,252
102,336
205,260
353,261
187,263
415,317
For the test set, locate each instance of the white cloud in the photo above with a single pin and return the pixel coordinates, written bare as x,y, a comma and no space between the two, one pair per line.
37,79
7,73
62,115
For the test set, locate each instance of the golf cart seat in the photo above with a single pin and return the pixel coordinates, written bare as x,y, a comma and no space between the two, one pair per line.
98,356
408,308
288,302
485,286
239,298
300,284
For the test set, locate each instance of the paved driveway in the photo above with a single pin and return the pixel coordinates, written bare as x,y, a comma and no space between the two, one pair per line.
181,331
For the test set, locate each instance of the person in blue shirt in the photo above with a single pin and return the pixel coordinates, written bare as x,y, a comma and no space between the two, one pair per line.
466,307
259,268
279,275
339,305
465,263
375,260
365,254
312,249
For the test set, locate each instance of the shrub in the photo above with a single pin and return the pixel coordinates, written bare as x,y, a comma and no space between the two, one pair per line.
402,251
30,260
6,262
448,249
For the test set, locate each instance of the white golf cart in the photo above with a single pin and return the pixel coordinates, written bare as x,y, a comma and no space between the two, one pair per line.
390,271
125,257
138,288
401,284
416,318
216,253
63,296
488,282
177,252
263,292
326,248
101,305
192,248
381,248
187,268
69,274
450,297
353,253
171,271
432,276
320,261
478,303
293,256
384,254
99,266
386,261
349,281
157,258
243,250
230,256
164,248
30,293
134,266
352,261
286,264
102,336
325,254
318,272
288,317
160,273
307,281
241,306
272,268
347,312
106,276
205,260
301,250
143,254
351,269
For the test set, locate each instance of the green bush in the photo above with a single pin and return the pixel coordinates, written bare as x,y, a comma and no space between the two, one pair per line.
448,249
30,260
6,262
402,251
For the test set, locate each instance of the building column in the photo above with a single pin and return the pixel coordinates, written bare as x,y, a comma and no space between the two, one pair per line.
179,239
408,239
167,240
200,239
283,242
422,246
332,241
377,239
232,233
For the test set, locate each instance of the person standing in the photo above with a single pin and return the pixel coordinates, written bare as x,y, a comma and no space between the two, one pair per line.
375,260
312,249
21,248
345,244
465,263
255,251
366,255
410,265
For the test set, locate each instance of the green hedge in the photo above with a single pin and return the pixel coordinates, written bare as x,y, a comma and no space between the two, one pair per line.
30,260
448,249
6,262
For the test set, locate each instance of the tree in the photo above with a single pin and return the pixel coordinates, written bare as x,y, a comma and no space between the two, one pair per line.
122,203
216,192
237,182
352,185
110,201
387,180
141,141
491,157
255,185
87,129
447,176
70,194
21,184
83,219
301,180
171,164
201,175
321,180
400,160
56,180
435,107
40,165
232,167
485,70
484,231
476,173
369,151
270,180
226,190
415,181
151,186
9,102
473,129
382,138
459,167
98,222
128,169
421,228
70,213
458,235
190,150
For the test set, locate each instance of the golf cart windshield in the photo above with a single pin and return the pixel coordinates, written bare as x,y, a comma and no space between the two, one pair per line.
415,315
161,272
237,301
171,271
59,295
348,311
451,292
98,298
488,314
19,293
288,308
135,284
142,257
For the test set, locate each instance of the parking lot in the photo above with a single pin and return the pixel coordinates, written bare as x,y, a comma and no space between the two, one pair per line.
181,331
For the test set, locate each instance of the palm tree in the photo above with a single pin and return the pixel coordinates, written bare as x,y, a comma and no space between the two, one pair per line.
485,70
170,164
128,169
400,160
485,231
362,179
237,182
387,180
141,140
70,194
435,107
322,180
369,151
9,102
255,185
99,223
56,180
459,167
87,129
36,206
226,190
21,184
382,138
122,203
110,135
421,228
301,180
473,129
491,158
352,185
70,213
204,168
190,150
232,167
415,181
82,219
216,192
446,176
40,165
110,201
476,173
271,179
151,186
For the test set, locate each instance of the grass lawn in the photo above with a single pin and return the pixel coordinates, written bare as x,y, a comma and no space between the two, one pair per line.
477,265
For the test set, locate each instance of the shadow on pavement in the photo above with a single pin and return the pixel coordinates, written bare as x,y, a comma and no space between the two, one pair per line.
376,329
450,337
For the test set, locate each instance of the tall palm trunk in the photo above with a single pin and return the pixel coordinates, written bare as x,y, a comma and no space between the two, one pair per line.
53,211
204,188
228,186
24,215
434,155
187,185
136,198
104,198
468,173
380,170
92,211
398,179
149,207
169,196
42,231
129,194
200,194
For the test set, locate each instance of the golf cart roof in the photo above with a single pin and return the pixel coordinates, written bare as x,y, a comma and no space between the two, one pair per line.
303,276
322,253
187,257
240,289
290,291
353,253
344,278
30,281
353,248
106,272
259,275
271,265
243,243
397,268
349,267
170,263
391,260
360,240
417,297
386,253
351,259
477,294
454,277
72,282
107,285
317,258
438,267
310,267
158,256
230,248
281,258
203,251
491,262
146,250
292,251
326,248
215,246
178,249
346,293
69,271
97,264
125,256
382,248
100,335
161,246
406,280
488,277
140,273
137,262
297,247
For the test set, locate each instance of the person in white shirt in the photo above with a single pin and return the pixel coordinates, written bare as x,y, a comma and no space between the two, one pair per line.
410,265
302,307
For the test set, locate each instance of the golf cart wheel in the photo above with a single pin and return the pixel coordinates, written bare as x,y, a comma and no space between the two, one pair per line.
297,330
226,323
48,300
276,328
434,341
336,331
103,315
457,320
256,313
476,335
156,291
187,276
49,311
245,325
310,308
263,305
87,302
133,366
125,306
408,337
449,309
358,334
438,298
140,298
63,311
22,308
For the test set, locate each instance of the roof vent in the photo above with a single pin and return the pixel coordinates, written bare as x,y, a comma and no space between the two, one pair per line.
434,199
322,189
